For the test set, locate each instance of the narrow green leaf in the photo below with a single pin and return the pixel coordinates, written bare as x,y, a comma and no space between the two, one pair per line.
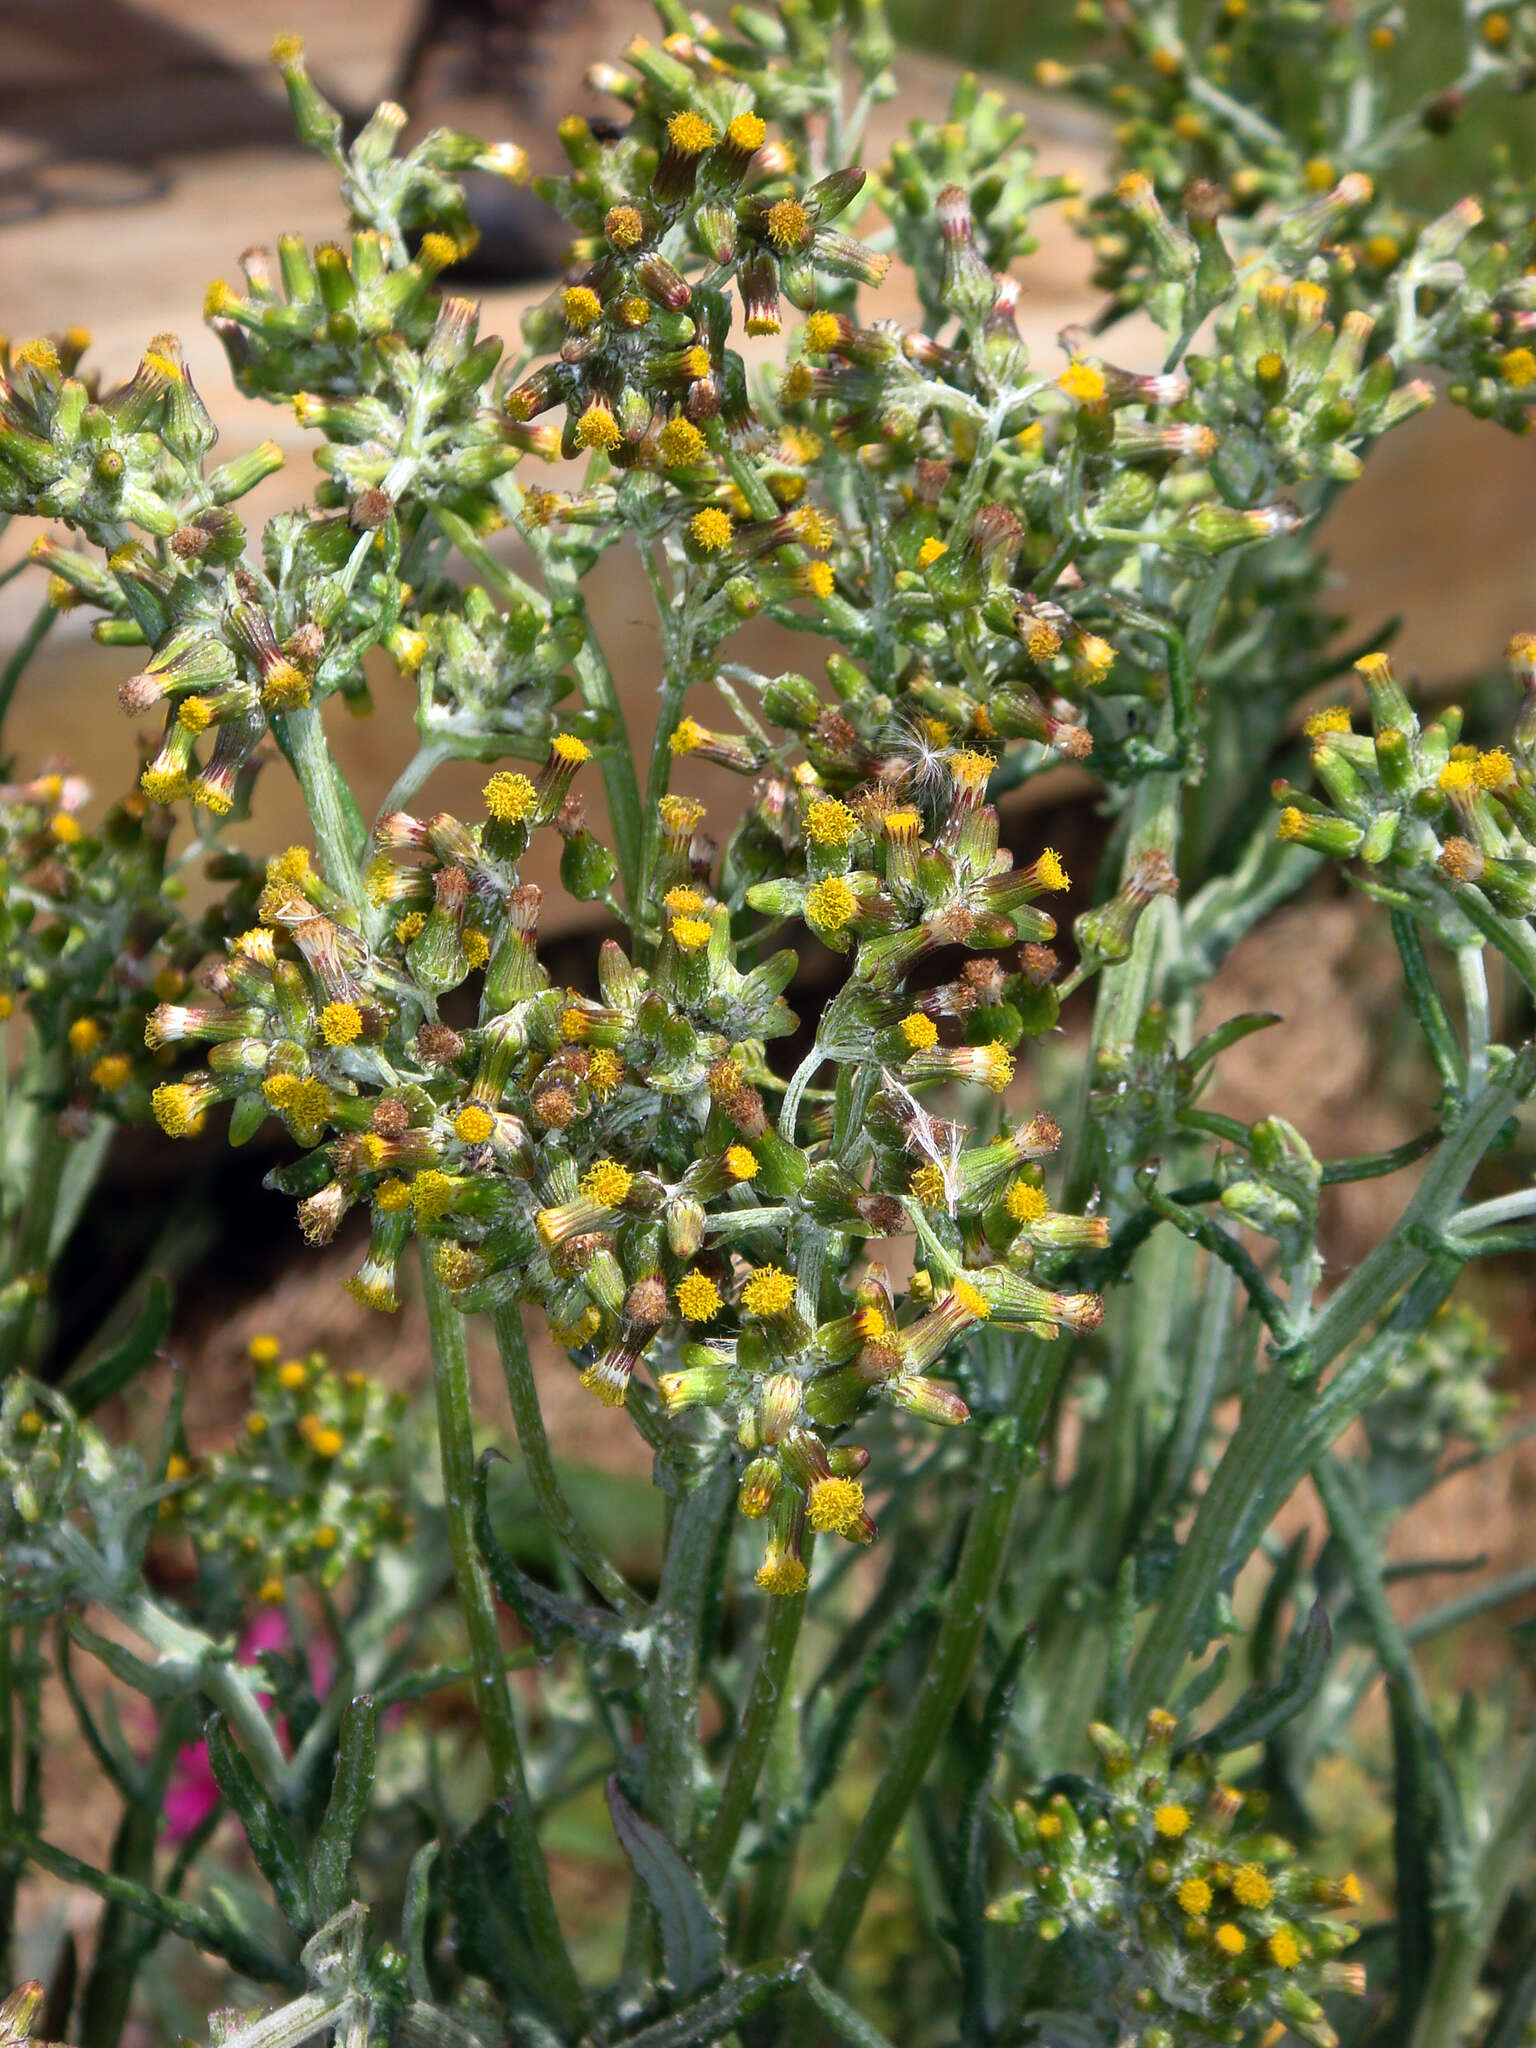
265,1829
692,1939
88,1386
1265,1708
330,1862
547,1616
480,1884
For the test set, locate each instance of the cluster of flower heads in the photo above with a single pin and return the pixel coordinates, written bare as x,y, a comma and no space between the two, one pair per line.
1450,826
307,1492
611,1156
1163,1886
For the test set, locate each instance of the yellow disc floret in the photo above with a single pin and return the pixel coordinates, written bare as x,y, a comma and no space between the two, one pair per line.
769,1292
711,530
1171,1821
836,1507
508,798
473,1124
1026,1203
1230,1939
341,1023
830,823
690,134
830,905
581,306
1250,1887
747,132
927,1183
681,445
1335,718
431,1194
1081,381
1284,1949
1194,1896
918,1031
606,1182
698,1298
690,933
741,1163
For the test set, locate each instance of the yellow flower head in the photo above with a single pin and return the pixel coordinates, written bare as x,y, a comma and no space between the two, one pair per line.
1456,778
176,1108
836,1507
830,905
392,1196
690,134
293,1375
1334,719
1284,1949
473,1124
1082,382
264,1349
711,530
830,823
1050,870
788,224
581,306
508,798
927,1183
769,1292
782,1575
681,445
741,1163
1250,1886
1493,770
821,332
1026,1203
1194,1897
690,933
566,748
918,1030
431,1194
84,1036
1517,366
1229,1939
606,1182
111,1071
1171,1821
931,551
698,1298
598,428
605,1072
341,1023
971,1299
819,580
689,736
969,768
683,902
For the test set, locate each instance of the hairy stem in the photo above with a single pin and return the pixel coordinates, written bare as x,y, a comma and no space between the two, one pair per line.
770,1692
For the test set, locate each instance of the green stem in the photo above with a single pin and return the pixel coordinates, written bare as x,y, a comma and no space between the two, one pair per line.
1464,1944
34,1235
301,734
528,1419
36,633
769,1694
493,1701
1000,1473
672,1760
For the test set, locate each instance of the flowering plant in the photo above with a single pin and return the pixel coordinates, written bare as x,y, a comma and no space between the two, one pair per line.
976,1356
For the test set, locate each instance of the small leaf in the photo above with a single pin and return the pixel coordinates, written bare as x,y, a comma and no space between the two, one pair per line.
95,1383
330,1862
265,1829
692,1939
547,1616
1265,1708
480,1884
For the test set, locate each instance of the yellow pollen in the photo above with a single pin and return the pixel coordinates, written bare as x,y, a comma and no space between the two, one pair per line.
1456,778
788,224
567,749
830,905
927,1183
971,1299
769,1292
836,1507
175,1108
1334,719
598,429
1493,770
1050,870
711,530
392,1196
624,226
1284,1949
681,445
409,927
689,736
930,551
431,1194
1082,382
1250,1887
819,580
581,306
969,769
1293,823
1026,1203
1171,1821
683,902
690,933
747,132
508,798
1194,1896
822,331
782,1576
830,823
690,134
1048,1826
918,1030
575,1025
741,1164
605,1072
473,1124
698,1298
341,1023
477,948
1229,1939
606,1182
